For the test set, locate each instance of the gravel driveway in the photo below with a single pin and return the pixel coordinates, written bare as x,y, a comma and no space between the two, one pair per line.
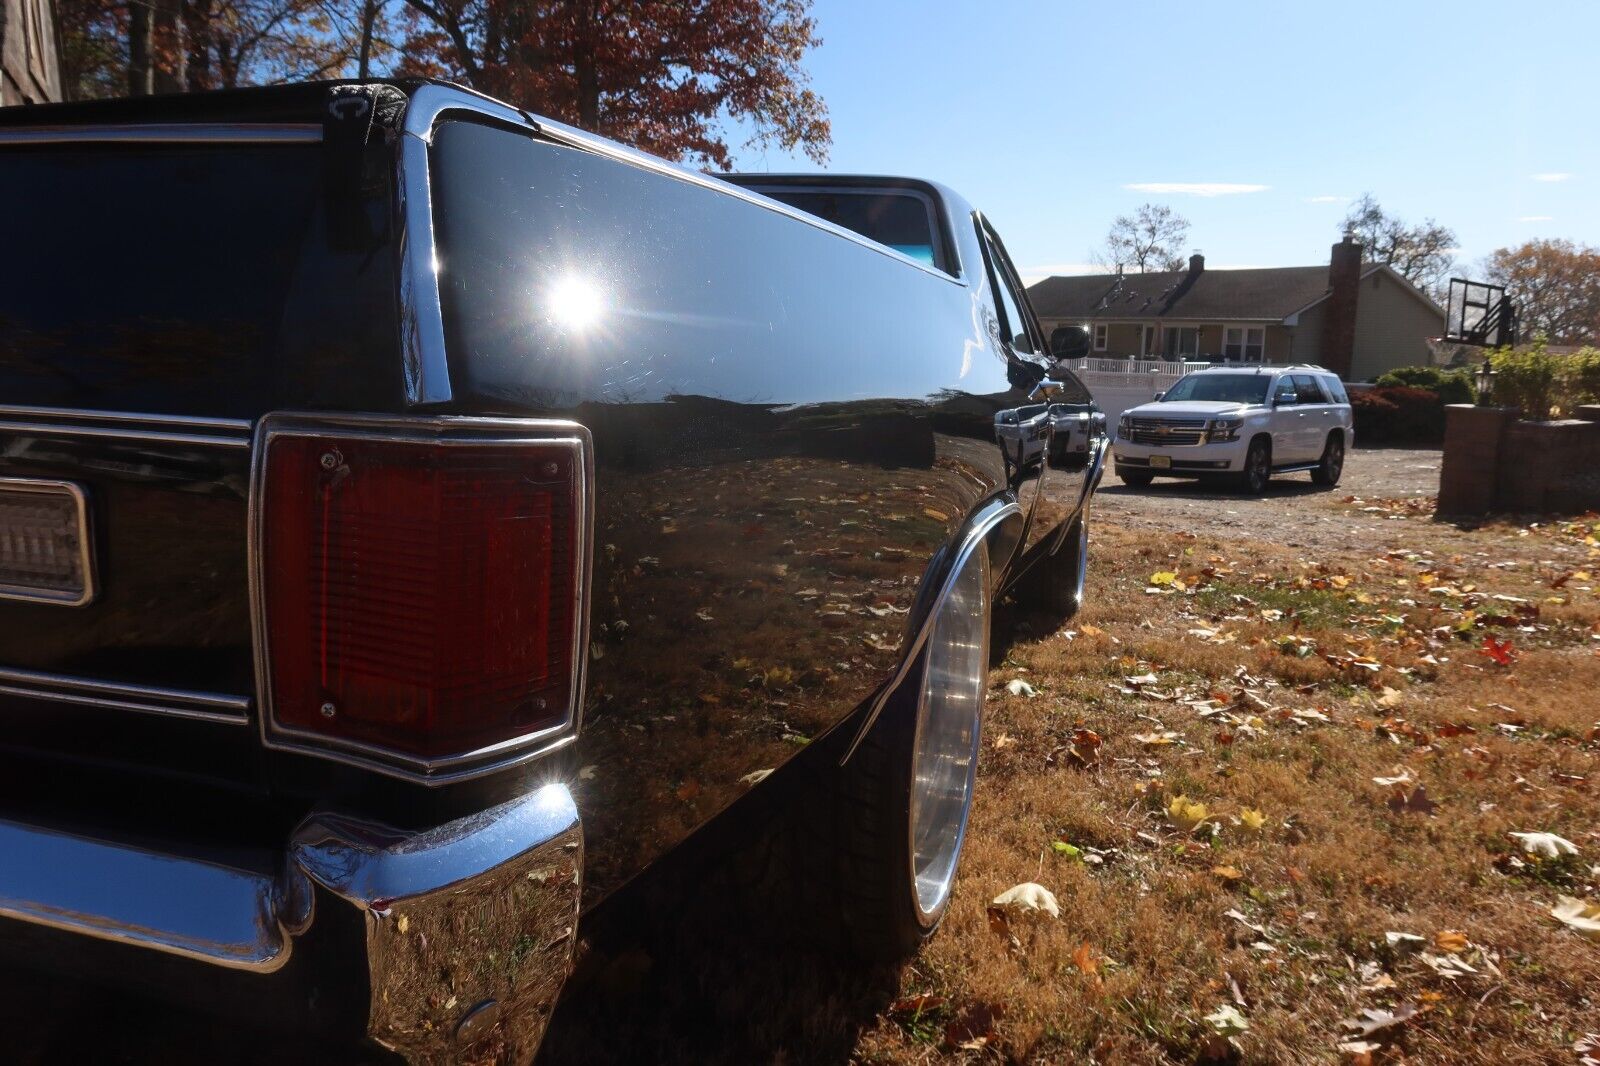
1293,512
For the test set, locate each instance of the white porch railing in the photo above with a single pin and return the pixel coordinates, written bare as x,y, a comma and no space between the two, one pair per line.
1145,368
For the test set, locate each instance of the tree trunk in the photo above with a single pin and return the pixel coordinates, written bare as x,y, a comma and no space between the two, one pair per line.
369,20
169,52
140,73
197,16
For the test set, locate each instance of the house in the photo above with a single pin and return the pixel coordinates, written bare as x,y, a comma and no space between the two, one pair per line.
1358,319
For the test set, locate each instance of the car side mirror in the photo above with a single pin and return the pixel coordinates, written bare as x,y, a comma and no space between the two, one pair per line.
1158,396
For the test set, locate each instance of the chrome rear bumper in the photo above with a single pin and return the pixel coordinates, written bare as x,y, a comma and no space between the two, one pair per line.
469,927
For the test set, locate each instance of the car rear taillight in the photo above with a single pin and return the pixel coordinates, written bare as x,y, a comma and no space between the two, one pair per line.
420,589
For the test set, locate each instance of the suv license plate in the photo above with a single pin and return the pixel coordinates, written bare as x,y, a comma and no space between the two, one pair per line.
44,554
1161,462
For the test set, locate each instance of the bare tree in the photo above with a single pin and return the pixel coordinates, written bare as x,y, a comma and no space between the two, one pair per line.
1423,254
1151,238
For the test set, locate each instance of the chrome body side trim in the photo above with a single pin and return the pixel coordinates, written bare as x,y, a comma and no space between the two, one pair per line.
449,431
501,884
168,133
984,522
126,425
116,892
176,422
51,486
144,699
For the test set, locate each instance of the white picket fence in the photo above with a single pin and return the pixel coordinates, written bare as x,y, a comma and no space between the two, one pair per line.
1118,384
1137,368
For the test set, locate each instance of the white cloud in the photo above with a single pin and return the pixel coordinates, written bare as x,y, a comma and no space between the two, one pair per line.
1537,218
1195,188
1326,199
1553,175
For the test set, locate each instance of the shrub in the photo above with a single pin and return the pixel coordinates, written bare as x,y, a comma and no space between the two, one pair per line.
1451,386
1582,378
1397,414
1526,378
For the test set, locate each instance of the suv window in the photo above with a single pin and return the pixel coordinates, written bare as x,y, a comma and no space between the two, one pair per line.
1335,390
1307,390
1283,392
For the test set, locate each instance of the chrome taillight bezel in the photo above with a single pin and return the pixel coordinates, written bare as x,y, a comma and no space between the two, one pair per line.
446,431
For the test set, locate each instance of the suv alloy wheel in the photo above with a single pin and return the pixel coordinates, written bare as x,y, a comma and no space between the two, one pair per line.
1257,467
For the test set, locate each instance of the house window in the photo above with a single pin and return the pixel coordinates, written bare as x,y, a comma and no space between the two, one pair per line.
1183,342
1244,343
1148,344
1100,332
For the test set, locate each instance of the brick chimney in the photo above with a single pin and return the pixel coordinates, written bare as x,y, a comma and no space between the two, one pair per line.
1339,313
1197,264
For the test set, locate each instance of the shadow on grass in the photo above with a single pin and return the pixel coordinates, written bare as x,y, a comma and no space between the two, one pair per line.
1278,488
725,954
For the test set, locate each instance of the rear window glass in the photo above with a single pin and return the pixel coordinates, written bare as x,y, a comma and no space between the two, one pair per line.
901,220
1226,388
149,278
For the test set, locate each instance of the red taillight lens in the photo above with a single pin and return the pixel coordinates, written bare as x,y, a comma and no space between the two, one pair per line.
420,598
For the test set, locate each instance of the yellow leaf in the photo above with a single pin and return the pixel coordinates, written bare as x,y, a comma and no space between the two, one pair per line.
1451,941
1163,577
1253,819
1186,814
1227,873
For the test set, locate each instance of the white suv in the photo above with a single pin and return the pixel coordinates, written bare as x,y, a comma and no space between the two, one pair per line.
1243,423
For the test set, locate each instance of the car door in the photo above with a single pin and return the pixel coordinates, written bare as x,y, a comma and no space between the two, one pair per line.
1316,416
1288,446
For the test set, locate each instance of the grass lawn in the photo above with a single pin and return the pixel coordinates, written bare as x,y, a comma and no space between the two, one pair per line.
1274,799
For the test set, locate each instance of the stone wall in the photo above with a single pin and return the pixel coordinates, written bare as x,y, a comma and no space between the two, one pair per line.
1493,462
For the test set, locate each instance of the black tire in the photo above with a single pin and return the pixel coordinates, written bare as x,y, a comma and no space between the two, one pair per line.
1331,467
881,915
1257,468
1136,479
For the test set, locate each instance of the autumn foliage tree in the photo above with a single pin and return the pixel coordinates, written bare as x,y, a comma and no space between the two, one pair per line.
659,74
673,77
1556,286
1150,239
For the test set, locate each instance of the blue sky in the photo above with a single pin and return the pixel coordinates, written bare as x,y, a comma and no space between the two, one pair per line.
1045,112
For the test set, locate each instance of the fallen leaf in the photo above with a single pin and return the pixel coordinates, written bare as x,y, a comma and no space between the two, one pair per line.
1186,814
1227,873
1546,845
1029,900
974,1029
1227,1020
1500,651
1404,943
1579,915
1418,802
1086,747
1376,1021
1401,776
1019,687
1158,739
915,1005
1086,959
754,777
1003,741
1451,941
1252,819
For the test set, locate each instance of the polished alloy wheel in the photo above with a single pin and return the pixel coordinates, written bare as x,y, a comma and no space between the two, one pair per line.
1258,469
949,714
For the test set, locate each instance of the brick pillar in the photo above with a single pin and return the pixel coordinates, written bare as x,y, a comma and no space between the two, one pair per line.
1589,412
1472,440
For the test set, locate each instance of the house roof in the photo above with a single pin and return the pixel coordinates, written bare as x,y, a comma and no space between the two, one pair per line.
1267,294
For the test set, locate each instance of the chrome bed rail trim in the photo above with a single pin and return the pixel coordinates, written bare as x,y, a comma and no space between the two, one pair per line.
126,425
168,133
990,516
109,695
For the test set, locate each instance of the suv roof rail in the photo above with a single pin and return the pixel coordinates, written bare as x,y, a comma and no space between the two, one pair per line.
1259,367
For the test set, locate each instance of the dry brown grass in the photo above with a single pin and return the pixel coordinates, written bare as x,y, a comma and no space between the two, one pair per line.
1499,748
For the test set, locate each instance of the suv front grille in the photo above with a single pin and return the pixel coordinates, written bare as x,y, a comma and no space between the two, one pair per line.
1160,431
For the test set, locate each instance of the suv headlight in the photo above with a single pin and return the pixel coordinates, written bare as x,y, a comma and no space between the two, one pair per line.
1224,429
1124,426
